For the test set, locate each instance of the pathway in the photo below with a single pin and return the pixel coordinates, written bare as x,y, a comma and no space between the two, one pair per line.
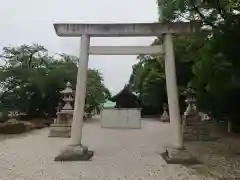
119,154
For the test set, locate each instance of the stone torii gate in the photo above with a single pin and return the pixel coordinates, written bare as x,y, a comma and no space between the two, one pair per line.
76,151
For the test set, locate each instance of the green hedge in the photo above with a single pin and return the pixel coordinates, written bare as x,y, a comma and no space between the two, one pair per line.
18,128
3,116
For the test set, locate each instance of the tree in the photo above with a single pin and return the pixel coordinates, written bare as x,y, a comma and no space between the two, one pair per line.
25,56
216,64
96,91
209,60
148,80
148,76
31,81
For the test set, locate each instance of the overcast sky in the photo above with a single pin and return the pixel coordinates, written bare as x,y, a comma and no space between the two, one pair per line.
30,21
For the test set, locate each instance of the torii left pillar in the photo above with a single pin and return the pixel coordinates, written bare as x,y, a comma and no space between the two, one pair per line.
76,151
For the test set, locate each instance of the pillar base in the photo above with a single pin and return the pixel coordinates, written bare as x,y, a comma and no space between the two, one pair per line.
179,156
75,153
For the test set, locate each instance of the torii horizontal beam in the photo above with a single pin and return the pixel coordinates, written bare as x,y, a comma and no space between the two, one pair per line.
125,29
125,50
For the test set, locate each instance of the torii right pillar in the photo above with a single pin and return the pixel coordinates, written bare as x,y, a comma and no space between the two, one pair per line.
176,154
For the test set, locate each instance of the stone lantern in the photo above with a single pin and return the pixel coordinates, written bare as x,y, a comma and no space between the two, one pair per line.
12,117
165,116
193,126
67,97
190,95
62,124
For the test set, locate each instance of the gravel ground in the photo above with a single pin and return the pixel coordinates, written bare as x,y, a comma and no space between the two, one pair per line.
119,154
220,158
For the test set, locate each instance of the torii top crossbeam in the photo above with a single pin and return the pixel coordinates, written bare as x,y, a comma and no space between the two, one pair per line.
125,29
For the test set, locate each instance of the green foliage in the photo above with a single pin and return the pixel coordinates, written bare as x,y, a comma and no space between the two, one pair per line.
31,80
148,76
216,66
209,60
3,116
97,93
217,72
148,80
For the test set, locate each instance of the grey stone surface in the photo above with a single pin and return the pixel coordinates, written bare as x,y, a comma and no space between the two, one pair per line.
179,156
195,129
62,124
119,155
165,117
193,126
57,133
75,153
60,130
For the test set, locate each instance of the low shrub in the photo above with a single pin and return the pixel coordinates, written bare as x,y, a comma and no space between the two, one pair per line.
3,116
17,128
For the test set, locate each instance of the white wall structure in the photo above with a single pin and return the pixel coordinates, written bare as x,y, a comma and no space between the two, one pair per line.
127,30
126,118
